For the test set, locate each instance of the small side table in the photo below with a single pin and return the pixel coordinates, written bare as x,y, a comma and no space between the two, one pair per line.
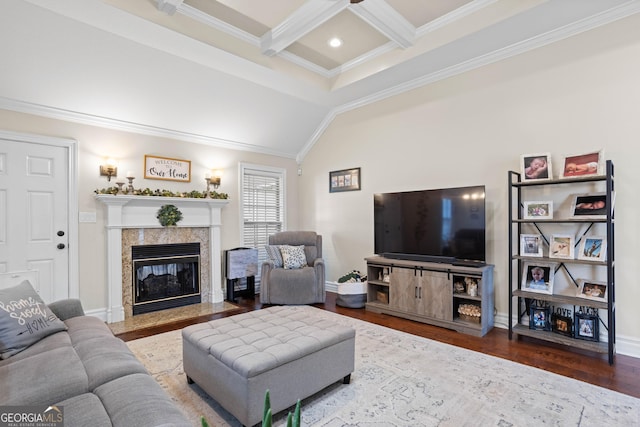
241,263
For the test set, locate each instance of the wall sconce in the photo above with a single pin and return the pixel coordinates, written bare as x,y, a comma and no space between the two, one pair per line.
109,169
216,179
213,181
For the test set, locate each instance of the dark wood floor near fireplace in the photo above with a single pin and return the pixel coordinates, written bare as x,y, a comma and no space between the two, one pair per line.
622,376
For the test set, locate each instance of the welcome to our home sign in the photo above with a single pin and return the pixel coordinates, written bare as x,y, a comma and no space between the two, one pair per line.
167,169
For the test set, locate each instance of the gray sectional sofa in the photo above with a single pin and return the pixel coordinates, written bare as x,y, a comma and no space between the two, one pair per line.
90,373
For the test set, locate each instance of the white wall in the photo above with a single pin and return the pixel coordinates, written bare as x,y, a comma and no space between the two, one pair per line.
575,96
96,144
578,95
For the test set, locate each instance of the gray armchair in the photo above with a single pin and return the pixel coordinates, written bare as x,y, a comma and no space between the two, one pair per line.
294,286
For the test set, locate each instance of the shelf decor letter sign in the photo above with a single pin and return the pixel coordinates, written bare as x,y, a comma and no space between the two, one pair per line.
167,169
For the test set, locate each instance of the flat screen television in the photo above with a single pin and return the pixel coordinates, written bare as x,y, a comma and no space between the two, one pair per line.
441,225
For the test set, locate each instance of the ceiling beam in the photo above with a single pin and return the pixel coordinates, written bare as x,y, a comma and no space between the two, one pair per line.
310,15
387,21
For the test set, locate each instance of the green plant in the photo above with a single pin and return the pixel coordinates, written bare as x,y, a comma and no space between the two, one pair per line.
354,276
169,215
194,194
204,422
293,420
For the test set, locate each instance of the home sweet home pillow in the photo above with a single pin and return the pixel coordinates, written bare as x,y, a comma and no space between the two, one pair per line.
24,319
293,257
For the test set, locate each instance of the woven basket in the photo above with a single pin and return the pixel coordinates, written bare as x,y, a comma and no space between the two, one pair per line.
382,297
473,319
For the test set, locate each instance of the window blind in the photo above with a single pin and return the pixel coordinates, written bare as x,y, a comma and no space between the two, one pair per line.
262,208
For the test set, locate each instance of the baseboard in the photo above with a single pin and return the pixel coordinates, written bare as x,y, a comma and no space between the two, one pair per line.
100,313
627,346
331,287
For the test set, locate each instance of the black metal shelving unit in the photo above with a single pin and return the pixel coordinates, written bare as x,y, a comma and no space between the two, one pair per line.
519,296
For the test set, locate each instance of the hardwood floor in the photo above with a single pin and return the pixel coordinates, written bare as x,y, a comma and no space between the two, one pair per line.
623,376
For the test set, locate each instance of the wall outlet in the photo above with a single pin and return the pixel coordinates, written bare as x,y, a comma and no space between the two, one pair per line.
87,217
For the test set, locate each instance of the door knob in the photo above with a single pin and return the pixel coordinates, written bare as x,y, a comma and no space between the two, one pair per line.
60,233
60,245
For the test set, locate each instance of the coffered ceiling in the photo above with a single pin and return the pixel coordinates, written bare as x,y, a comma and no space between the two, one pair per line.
372,32
224,64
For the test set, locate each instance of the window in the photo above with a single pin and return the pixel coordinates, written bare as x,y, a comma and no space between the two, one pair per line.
262,208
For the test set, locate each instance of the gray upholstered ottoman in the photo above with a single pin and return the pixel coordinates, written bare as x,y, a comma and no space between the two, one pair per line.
288,350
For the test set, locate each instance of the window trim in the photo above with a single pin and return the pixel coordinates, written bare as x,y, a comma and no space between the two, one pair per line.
267,170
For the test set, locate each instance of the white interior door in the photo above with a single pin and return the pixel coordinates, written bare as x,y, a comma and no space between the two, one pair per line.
34,213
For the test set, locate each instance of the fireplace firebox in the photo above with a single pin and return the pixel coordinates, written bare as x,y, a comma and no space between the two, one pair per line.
165,276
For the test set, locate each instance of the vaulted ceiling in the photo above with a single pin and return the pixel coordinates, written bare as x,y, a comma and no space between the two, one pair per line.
258,75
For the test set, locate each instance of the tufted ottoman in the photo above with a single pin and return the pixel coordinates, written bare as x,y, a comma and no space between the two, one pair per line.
289,350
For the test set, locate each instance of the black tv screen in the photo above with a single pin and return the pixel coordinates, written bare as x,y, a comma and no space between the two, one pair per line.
441,225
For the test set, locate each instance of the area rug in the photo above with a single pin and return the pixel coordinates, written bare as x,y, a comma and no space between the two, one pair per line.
405,380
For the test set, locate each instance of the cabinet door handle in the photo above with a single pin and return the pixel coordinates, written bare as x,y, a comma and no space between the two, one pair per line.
416,292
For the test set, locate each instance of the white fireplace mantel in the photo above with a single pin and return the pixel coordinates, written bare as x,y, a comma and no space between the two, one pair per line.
123,211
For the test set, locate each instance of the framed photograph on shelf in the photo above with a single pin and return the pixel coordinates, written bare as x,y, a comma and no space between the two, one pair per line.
531,245
561,246
593,248
538,210
592,206
562,322
535,167
538,277
539,318
583,165
586,327
593,290
344,180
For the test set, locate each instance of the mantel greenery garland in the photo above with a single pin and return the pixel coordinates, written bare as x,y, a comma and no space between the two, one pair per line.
195,194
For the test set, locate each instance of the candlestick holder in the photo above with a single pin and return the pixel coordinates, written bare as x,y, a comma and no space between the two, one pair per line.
130,186
120,190
208,193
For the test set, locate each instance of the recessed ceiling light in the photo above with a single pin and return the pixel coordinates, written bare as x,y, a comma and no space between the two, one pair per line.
335,42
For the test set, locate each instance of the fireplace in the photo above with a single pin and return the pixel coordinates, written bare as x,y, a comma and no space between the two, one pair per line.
165,276
131,221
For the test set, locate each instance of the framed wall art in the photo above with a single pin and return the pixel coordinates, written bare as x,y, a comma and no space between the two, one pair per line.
583,165
593,248
539,318
538,277
589,205
344,180
587,327
538,210
593,290
535,167
562,322
166,168
561,246
531,245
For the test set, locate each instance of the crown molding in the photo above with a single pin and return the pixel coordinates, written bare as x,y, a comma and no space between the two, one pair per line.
453,16
629,8
198,15
110,123
328,119
626,9
387,21
366,57
310,15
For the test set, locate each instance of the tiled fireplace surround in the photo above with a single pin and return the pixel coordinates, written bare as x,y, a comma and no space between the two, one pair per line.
131,220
